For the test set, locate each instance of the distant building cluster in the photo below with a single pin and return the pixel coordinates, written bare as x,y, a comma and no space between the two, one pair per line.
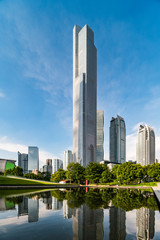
88,123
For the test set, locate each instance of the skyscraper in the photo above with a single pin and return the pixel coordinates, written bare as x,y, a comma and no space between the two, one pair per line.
145,145
145,219
23,162
84,95
57,164
117,140
100,135
48,166
33,158
67,158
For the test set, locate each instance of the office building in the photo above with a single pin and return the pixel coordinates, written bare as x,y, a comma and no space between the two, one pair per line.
23,162
33,158
84,95
48,166
67,211
145,220
145,145
67,158
100,135
23,207
117,140
57,164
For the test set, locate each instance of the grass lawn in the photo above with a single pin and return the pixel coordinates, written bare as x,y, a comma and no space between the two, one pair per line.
4,181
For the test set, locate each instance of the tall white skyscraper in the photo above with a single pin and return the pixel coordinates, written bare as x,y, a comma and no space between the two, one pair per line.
33,158
57,164
67,158
100,135
84,95
117,140
145,145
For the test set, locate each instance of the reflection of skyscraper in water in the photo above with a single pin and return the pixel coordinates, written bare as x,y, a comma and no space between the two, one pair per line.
87,223
47,199
117,218
145,224
67,211
33,209
23,207
56,205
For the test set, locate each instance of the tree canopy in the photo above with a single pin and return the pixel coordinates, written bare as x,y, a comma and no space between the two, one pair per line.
58,176
75,172
93,172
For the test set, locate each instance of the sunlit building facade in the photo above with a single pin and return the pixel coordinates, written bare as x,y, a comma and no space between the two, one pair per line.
33,158
84,95
67,158
100,135
145,145
117,140
57,164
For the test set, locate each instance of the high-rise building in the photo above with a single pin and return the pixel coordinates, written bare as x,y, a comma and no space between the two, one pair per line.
100,135
67,158
57,164
67,211
84,95
33,209
23,162
33,158
145,219
48,166
117,140
145,145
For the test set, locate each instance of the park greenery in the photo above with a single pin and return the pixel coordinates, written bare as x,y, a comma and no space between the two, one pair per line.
127,173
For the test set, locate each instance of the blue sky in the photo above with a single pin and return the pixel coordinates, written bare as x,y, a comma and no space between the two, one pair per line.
36,70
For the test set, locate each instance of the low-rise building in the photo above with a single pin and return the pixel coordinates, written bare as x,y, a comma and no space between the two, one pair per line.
6,164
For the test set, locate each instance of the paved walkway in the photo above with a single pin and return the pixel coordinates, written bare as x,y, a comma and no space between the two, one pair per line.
157,191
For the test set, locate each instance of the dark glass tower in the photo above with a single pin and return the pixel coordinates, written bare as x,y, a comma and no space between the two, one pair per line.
117,140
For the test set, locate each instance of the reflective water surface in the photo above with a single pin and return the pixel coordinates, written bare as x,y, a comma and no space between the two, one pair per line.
79,214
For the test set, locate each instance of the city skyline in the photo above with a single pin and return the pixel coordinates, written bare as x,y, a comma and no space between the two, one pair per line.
36,102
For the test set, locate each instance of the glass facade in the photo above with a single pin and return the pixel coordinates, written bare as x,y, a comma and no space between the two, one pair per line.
145,145
57,164
33,158
84,95
117,140
67,158
23,162
100,136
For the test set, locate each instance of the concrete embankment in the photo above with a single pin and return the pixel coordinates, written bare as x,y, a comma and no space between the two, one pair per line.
156,191
38,186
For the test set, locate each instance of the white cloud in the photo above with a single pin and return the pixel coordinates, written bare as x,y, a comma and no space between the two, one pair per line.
12,147
2,95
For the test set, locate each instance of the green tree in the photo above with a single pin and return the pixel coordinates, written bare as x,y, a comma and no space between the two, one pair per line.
75,172
106,175
114,171
153,171
16,171
58,176
129,173
93,172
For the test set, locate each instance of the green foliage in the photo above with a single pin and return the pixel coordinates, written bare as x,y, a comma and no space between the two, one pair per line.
128,173
114,171
58,176
34,176
75,172
106,175
16,171
46,176
93,198
153,171
75,198
93,172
